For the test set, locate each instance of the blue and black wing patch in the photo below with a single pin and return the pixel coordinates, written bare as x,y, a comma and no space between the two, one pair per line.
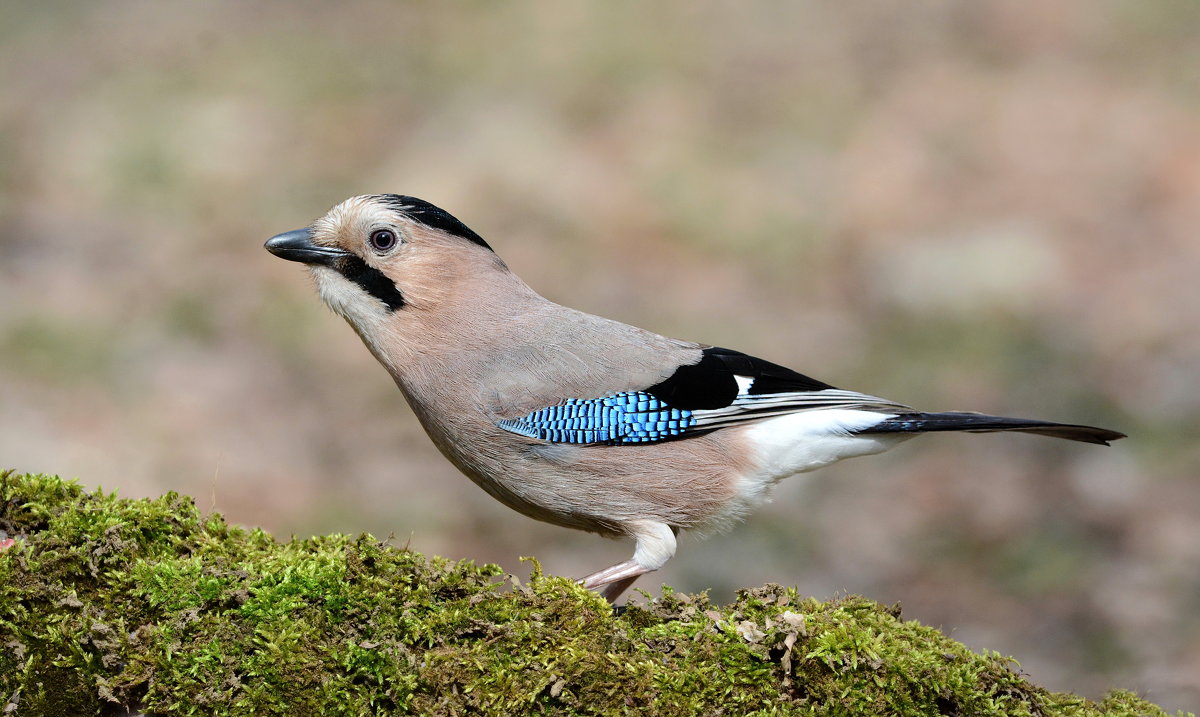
631,417
723,388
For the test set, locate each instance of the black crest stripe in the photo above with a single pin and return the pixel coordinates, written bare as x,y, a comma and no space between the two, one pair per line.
371,280
422,211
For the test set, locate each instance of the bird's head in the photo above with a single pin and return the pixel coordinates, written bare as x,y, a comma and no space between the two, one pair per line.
379,255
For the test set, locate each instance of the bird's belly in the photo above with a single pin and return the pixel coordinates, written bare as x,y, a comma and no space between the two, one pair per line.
602,488
504,466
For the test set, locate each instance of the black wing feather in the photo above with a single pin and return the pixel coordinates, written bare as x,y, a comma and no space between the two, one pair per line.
710,383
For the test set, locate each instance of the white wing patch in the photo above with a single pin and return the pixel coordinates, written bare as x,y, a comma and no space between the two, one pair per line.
754,407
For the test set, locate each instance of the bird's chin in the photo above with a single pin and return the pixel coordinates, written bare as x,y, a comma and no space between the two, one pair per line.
347,299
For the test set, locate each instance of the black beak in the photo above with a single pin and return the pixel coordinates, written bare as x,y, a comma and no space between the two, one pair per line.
298,246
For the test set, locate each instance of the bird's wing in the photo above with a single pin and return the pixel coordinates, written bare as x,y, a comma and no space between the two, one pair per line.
724,388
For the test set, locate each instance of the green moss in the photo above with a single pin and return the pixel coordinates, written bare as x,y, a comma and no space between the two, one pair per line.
106,602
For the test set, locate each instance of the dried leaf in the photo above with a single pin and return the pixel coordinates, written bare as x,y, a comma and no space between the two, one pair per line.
789,641
749,631
794,619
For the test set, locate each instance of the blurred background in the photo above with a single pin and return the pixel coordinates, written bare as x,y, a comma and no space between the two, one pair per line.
989,206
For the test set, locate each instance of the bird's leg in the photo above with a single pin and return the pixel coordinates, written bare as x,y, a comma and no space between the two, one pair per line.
612,591
655,546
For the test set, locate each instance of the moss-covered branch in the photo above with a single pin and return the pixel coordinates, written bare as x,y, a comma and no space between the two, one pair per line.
108,603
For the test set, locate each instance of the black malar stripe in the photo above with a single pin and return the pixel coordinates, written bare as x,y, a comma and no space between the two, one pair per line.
371,280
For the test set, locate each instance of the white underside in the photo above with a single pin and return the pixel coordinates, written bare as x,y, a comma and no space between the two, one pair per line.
364,312
346,298
804,441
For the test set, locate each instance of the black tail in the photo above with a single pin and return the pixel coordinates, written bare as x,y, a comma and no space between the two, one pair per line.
981,423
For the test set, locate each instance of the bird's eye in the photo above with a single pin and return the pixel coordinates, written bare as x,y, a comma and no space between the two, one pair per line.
383,239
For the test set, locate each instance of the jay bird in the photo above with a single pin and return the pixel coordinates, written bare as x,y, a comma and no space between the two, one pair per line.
578,420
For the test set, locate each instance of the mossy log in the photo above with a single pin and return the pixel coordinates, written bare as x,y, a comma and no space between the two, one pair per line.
110,605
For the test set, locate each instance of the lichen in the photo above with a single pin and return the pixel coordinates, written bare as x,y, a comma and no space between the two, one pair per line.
108,603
